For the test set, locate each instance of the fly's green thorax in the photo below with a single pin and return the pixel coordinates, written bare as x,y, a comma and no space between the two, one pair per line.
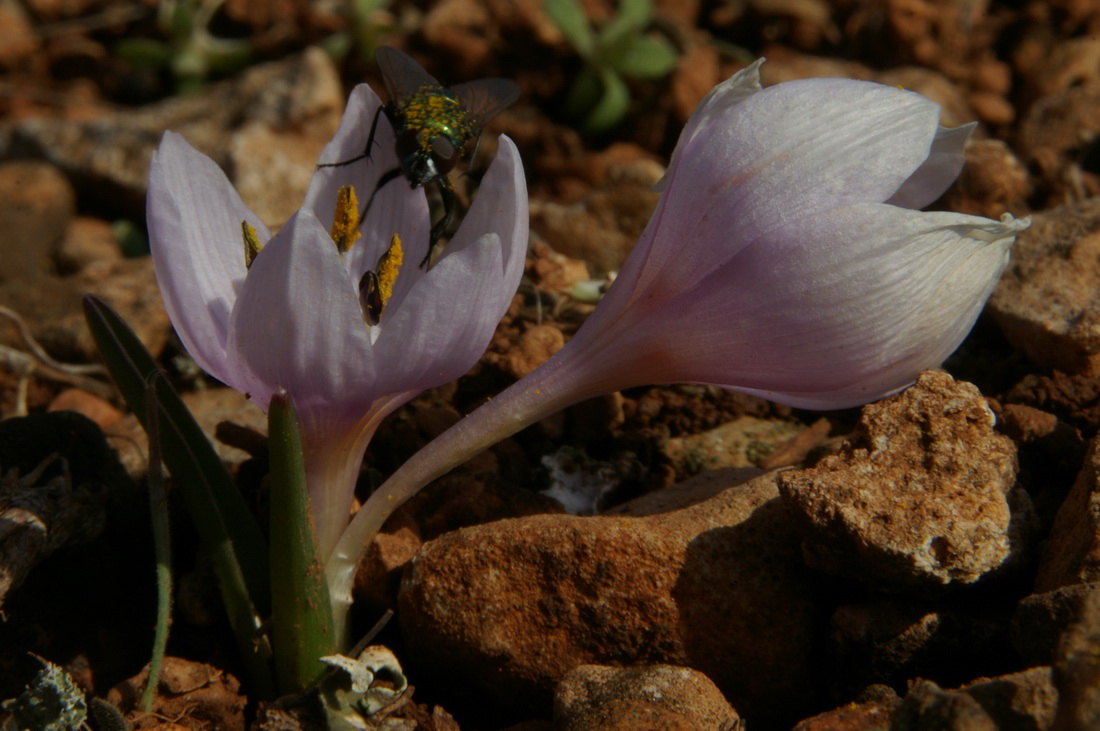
432,126
433,112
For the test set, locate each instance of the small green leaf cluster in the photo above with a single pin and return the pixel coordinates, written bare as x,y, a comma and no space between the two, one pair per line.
620,49
190,52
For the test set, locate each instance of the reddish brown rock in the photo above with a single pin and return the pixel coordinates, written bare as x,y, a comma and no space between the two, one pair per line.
1048,301
891,640
922,496
1040,620
1072,554
666,697
88,242
209,407
36,206
1024,700
98,410
871,716
1077,671
507,609
992,182
1054,131
927,706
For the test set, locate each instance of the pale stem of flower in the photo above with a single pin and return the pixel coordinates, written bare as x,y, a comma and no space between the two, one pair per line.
550,388
332,468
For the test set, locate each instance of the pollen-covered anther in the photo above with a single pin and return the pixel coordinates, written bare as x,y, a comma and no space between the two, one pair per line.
252,244
345,219
376,286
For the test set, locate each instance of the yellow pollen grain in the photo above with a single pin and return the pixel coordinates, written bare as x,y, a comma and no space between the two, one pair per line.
345,219
388,266
252,244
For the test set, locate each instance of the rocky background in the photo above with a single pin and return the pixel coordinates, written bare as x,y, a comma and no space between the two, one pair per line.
927,562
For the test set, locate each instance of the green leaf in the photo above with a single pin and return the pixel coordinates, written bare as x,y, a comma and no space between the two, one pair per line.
613,104
635,13
301,618
646,58
569,16
227,529
584,94
227,55
143,53
631,19
162,545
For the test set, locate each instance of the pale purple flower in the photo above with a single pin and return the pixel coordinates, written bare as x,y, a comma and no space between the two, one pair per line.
294,320
785,259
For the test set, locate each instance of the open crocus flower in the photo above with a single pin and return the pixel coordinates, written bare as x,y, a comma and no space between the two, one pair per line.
785,259
342,324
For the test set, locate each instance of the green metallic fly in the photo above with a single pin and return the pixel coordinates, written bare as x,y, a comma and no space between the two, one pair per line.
433,125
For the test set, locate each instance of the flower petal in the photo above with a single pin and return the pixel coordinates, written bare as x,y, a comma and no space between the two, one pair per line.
396,208
298,325
431,340
881,294
715,105
787,151
937,173
425,334
197,246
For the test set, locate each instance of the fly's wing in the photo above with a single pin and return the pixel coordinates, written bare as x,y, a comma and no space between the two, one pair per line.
484,99
402,75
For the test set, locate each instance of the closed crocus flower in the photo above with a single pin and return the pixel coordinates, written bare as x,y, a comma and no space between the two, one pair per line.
350,326
786,259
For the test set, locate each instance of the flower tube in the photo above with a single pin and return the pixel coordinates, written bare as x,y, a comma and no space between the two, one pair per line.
785,259
352,329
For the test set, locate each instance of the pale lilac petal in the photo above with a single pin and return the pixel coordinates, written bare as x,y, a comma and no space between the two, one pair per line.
197,246
945,162
445,323
839,308
424,335
787,151
499,207
397,208
298,325
715,105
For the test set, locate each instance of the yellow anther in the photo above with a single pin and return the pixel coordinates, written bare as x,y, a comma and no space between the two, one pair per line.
376,287
252,244
345,220
388,266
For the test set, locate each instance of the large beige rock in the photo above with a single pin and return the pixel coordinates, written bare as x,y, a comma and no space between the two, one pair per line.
923,495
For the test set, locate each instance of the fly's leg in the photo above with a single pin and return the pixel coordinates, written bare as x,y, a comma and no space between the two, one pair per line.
387,177
366,152
473,153
447,194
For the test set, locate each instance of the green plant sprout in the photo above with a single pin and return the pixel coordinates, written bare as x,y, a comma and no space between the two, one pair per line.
191,52
599,95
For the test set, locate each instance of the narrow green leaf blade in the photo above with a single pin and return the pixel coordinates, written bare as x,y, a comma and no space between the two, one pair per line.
301,618
227,529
